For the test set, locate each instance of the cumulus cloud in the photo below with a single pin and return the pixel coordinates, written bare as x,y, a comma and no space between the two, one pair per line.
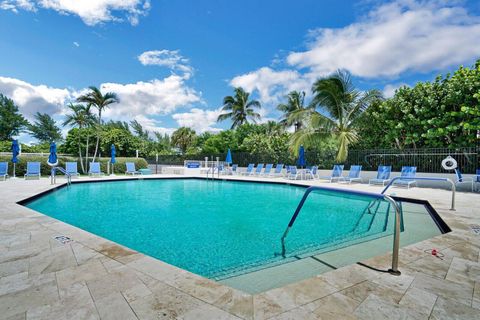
198,119
91,12
154,97
394,38
153,125
167,58
270,84
389,89
34,98
144,101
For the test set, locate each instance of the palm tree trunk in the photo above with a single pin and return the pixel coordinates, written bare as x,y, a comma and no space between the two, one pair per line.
96,147
98,134
86,153
80,152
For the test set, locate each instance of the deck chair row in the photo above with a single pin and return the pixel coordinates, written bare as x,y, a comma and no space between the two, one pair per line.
34,169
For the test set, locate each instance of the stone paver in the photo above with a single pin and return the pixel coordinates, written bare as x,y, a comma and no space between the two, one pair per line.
94,278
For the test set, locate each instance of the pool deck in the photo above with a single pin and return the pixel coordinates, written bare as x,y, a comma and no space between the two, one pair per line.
93,278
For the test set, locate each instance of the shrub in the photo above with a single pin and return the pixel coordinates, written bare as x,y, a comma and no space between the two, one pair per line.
21,166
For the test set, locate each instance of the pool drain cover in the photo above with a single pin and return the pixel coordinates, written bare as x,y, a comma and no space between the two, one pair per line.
475,228
63,239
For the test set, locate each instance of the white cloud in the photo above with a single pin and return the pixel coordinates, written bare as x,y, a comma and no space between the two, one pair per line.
143,101
397,37
34,98
155,97
198,119
394,38
270,84
153,125
91,12
76,44
389,89
166,58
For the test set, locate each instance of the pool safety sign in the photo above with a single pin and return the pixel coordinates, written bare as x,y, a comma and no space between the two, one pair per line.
193,164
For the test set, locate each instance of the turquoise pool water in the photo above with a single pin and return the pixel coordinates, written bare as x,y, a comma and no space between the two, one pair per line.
216,228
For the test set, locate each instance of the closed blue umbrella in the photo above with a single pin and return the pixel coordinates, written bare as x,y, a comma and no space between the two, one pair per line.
113,153
52,158
15,153
229,157
301,157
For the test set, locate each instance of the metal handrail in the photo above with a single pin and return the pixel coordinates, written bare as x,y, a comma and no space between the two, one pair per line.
425,178
53,179
396,233
212,170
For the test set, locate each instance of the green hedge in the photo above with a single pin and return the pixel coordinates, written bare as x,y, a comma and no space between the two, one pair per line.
45,168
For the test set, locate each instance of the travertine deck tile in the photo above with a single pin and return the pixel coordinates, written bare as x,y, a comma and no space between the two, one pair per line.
275,301
444,288
361,291
450,309
347,276
334,306
75,303
431,265
463,271
48,261
376,308
113,307
476,296
88,271
26,297
421,301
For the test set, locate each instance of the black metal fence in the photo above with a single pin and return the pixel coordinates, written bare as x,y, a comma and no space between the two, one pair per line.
426,160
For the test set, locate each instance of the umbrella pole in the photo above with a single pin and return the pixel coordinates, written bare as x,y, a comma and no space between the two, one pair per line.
112,173
14,177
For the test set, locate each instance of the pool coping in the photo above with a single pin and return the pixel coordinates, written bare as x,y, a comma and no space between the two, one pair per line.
243,305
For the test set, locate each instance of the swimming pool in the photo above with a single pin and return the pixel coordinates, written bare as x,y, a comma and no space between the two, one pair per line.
219,229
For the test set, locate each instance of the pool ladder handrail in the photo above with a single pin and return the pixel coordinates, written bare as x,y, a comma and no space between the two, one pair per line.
212,171
53,179
396,233
452,207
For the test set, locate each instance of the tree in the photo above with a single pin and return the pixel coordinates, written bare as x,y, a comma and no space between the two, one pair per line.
239,108
163,142
441,113
183,138
125,142
138,130
293,108
341,105
81,118
220,143
44,128
100,101
11,121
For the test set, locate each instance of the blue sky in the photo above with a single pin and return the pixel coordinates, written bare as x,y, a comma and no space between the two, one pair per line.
172,62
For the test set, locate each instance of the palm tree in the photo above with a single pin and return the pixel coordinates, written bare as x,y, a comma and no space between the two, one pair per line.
340,106
293,109
239,109
81,117
100,101
183,138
